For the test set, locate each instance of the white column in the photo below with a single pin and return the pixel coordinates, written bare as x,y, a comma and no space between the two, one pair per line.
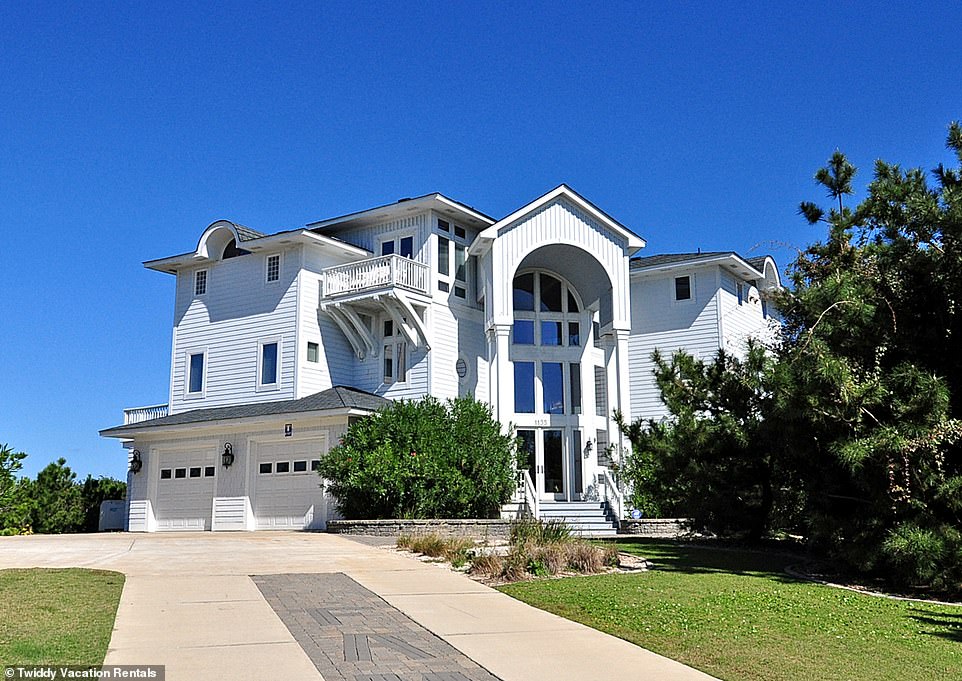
502,378
620,388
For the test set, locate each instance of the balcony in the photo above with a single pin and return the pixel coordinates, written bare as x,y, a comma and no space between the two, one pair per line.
140,414
375,274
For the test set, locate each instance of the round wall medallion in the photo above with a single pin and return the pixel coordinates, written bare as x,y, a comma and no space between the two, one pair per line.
462,368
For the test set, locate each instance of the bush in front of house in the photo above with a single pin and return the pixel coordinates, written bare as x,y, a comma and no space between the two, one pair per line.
423,459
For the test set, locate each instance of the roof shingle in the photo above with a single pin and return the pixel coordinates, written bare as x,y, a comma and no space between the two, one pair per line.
338,397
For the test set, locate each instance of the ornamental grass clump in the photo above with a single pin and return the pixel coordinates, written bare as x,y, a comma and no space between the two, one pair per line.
543,549
455,550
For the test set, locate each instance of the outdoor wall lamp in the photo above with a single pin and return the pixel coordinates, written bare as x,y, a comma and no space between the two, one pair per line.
135,462
227,458
588,446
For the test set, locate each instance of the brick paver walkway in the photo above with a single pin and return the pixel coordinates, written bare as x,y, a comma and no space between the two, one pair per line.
352,634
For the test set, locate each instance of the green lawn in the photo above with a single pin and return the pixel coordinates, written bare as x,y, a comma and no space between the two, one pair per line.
57,617
737,616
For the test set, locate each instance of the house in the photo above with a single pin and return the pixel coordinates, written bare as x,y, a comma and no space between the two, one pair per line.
280,341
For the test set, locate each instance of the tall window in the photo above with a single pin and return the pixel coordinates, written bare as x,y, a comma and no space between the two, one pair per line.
683,288
195,379
200,282
395,353
269,360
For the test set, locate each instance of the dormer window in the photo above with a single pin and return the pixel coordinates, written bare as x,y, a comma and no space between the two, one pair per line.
200,282
232,251
273,268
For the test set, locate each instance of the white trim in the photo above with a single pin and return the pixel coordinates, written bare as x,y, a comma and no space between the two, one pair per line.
267,268
673,289
261,343
188,353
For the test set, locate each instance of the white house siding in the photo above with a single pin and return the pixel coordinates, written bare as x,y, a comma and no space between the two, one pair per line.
370,236
239,309
660,323
335,365
739,322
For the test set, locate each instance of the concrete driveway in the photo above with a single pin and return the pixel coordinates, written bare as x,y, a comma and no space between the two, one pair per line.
189,603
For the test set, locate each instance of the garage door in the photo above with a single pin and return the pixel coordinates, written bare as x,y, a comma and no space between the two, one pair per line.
286,489
185,490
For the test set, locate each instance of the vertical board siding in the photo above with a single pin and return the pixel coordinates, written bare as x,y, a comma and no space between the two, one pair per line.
239,309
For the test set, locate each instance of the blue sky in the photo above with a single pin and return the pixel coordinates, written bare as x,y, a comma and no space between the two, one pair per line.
125,129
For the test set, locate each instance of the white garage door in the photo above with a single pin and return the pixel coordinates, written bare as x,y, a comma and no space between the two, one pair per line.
286,488
185,490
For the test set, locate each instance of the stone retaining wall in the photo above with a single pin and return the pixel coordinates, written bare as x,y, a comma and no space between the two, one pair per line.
656,528
475,529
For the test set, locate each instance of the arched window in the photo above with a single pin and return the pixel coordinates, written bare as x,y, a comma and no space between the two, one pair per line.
546,311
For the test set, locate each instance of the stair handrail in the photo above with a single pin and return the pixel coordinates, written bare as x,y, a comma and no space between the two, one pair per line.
530,493
613,495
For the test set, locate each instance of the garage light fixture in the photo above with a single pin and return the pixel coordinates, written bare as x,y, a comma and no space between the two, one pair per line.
227,458
135,463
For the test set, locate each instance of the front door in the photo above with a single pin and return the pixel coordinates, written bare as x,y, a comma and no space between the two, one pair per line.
546,461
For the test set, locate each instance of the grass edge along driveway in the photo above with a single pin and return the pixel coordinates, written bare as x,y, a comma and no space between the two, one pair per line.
57,616
738,616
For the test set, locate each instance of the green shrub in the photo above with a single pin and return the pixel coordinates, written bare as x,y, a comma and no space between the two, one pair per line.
423,459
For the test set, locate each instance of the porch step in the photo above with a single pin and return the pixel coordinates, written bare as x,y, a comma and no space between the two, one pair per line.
585,518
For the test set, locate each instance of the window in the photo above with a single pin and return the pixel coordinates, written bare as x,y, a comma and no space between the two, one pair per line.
200,282
267,375
165,474
527,446
195,472
180,473
552,383
443,286
523,332
459,232
444,226
682,288
444,256
387,248
313,352
315,464
300,466
764,309
575,376
601,391
208,471
195,371
740,292
550,306
407,246
266,468
273,267
395,354
282,467
524,387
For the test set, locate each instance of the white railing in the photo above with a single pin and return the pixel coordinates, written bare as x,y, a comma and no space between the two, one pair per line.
138,414
384,272
528,492
613,495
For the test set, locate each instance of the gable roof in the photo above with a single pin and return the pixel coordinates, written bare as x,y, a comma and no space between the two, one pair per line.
436,201
246,233
337,398
485,238
675,258
747,268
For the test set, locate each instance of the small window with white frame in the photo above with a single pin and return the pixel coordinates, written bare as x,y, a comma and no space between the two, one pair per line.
200,282
273,268
683,288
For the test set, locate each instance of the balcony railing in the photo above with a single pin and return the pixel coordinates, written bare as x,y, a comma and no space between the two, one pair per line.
386,271
138,414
